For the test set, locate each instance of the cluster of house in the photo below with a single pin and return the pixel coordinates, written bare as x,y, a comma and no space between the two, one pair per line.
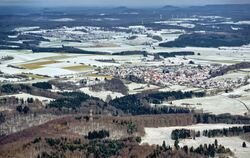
79,33
192,76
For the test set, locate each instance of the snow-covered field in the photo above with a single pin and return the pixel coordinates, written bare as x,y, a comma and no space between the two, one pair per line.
177,23
139,87
225,55
242,95
214,104
234,102
25,96
9,79
51,71
158,135
102,94
237,23
63,20
234,143
232,75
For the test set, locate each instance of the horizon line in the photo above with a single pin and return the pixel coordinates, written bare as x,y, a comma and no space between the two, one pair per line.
117,6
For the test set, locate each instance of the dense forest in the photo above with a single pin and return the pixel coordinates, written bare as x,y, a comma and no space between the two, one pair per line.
208,40
140,104
71,100
98,148
42,85
12,88
159,97
113,85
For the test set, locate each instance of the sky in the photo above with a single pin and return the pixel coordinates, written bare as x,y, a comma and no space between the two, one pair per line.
112,3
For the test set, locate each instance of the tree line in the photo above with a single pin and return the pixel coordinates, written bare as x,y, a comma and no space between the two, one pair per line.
203,150
227,132
97,134
222,118
232,131
42,85
139,104
159,97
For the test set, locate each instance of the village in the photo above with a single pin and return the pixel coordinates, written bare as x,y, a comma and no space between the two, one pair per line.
185,75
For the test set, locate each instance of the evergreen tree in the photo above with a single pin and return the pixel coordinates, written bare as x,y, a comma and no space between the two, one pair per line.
191,149
185,148
2,118
244,145
164,144
19,109
216,143
26,109
176,144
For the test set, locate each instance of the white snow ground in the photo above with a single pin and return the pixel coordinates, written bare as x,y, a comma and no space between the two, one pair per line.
158,135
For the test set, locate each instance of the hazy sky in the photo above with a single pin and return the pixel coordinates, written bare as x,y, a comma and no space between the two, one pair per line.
111,3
